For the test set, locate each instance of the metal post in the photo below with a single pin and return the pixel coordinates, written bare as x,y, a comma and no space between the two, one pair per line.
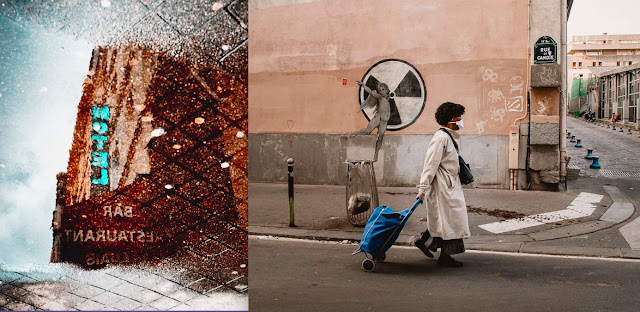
291,211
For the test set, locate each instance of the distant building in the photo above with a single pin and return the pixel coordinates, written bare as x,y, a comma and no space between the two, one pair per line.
617,91
607,51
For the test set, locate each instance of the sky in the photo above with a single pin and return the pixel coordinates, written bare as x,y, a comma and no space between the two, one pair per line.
41,76
594,17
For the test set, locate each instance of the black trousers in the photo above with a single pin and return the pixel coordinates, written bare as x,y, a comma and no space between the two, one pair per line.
447,247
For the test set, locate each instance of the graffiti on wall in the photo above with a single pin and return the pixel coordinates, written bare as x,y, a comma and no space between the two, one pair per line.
504,95
407,91
392,96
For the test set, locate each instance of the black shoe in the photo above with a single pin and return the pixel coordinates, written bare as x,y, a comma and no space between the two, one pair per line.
422,245
447,261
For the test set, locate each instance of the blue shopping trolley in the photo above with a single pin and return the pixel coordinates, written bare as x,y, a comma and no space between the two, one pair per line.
380,232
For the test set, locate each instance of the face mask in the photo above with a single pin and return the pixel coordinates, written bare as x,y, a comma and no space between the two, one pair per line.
459,123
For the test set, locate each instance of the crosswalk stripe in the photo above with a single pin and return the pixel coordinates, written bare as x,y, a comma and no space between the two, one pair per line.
631,232
582,206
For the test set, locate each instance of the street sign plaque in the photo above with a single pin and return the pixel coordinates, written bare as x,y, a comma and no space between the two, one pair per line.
545,51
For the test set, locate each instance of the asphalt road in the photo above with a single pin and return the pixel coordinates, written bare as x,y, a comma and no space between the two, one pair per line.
300,275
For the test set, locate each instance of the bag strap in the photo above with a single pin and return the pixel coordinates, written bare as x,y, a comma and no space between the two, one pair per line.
454,141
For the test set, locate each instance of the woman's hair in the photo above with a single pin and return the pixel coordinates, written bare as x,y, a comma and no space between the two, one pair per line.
448,111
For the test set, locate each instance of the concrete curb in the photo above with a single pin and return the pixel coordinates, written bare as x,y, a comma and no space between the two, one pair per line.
501,246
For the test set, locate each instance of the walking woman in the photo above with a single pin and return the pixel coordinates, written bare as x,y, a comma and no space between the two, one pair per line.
440,187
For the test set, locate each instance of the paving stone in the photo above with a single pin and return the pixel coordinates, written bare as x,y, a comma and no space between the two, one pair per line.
240,10
69,299
49,290
106,281
14,291
87,291
147,308
127,290
4,299
181,307
217,38
107,298
18,306
54,306
189,16
166,287
204,285
239,284
17,278
164,303
90,305
35,300
8,277
182,295
146,296
147,280
126,304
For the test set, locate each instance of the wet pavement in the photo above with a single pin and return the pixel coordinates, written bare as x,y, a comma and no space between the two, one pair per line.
206,34
62,287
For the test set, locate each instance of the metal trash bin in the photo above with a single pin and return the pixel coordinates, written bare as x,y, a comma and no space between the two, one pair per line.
362,191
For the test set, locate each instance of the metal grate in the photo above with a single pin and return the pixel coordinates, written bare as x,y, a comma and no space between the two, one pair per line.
617,173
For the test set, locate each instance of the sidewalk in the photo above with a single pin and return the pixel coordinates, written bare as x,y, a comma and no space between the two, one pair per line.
320,213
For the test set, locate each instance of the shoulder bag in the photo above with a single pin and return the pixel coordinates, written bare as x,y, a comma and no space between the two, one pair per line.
465,171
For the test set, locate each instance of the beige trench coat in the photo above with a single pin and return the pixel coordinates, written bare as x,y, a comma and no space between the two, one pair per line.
446,207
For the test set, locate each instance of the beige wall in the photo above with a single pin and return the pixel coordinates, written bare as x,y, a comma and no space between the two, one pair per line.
471,52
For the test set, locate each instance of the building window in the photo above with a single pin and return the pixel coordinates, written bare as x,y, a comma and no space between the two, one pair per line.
594,64
574,64
579,64
599,63
618,63
630,62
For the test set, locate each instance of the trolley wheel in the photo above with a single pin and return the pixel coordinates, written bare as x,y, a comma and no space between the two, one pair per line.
368,265
380,258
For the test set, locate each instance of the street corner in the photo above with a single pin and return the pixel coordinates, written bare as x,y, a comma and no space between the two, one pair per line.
556,218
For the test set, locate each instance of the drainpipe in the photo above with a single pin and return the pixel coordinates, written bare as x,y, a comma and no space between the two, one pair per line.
563,97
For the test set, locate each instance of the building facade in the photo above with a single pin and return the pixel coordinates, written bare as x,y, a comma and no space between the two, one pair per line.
307,55
598,51
618,92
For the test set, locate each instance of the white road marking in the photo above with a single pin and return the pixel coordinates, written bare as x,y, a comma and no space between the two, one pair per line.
631,232
582,206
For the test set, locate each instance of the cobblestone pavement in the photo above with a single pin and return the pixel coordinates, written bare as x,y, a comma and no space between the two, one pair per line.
62,287
618,151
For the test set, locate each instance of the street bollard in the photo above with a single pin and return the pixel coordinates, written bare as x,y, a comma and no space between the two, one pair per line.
573,139
579,144
589,153
629,132
621,130
614,127
568,134
595,164
291,211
